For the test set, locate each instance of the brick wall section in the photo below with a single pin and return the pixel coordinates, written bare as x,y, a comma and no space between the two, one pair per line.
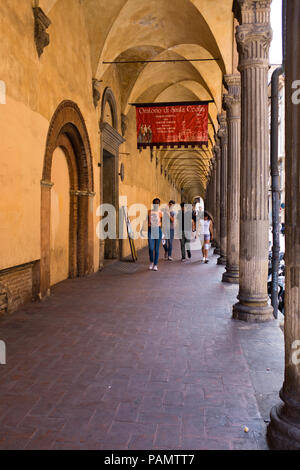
18,285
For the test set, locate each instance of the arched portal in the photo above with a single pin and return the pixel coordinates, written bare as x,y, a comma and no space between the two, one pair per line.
60,218
110,143
68,132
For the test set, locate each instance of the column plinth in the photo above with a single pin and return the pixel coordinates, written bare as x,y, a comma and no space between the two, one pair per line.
284,428
253,37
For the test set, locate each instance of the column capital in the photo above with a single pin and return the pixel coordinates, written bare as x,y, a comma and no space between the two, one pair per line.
254,34
222,132
212,162
253,43
221,120
233,84
217,152
232,100
217,140
252,11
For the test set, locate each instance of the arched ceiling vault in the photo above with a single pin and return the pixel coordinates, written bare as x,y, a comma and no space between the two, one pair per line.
205,85
162,23
187,167
148,30
104,18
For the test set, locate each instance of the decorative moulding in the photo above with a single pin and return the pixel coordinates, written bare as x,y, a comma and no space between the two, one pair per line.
96,92
124,123
41,23
111,138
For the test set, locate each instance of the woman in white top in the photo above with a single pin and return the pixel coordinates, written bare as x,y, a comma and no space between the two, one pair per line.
208,235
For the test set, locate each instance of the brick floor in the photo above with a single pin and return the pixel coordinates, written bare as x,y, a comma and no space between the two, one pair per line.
133,359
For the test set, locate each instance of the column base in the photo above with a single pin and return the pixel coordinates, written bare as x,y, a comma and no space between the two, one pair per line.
252,313
222,261
283,434
232,277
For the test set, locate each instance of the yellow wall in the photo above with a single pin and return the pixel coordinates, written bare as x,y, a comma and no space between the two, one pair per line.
22,143
35,87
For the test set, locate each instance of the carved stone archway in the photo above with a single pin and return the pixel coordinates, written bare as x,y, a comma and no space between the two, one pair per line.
110,143
68,131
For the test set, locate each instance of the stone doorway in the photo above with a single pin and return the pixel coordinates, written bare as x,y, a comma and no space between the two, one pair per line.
109,180
68,140
109,197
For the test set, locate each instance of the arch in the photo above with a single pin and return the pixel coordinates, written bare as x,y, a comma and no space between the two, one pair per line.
68,131
108,97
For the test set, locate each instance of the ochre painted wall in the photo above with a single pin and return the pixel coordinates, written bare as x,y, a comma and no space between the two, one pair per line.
23,136
35,88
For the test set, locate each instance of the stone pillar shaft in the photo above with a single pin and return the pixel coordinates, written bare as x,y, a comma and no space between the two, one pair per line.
210,200
222,134
253,38
284,430
213,188
215,191
208,195
217,214
233,106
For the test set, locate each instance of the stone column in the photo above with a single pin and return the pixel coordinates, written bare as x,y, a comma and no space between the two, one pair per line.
284,429
217,151
208,196
213,189
253,38
233,106
222,134
208,201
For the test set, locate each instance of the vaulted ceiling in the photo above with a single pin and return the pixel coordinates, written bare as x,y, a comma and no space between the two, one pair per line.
164,30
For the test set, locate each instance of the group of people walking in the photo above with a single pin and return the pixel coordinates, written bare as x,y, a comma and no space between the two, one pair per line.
162,225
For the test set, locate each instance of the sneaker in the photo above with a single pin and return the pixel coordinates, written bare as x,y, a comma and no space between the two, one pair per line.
170,259
206,261
151,266
155,268
182,259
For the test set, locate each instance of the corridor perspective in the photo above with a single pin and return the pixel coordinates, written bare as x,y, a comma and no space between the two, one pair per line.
126,125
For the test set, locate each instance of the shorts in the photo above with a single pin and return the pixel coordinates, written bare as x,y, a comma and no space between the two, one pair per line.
207,238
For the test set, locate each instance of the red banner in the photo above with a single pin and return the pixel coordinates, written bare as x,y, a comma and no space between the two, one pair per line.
172,124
